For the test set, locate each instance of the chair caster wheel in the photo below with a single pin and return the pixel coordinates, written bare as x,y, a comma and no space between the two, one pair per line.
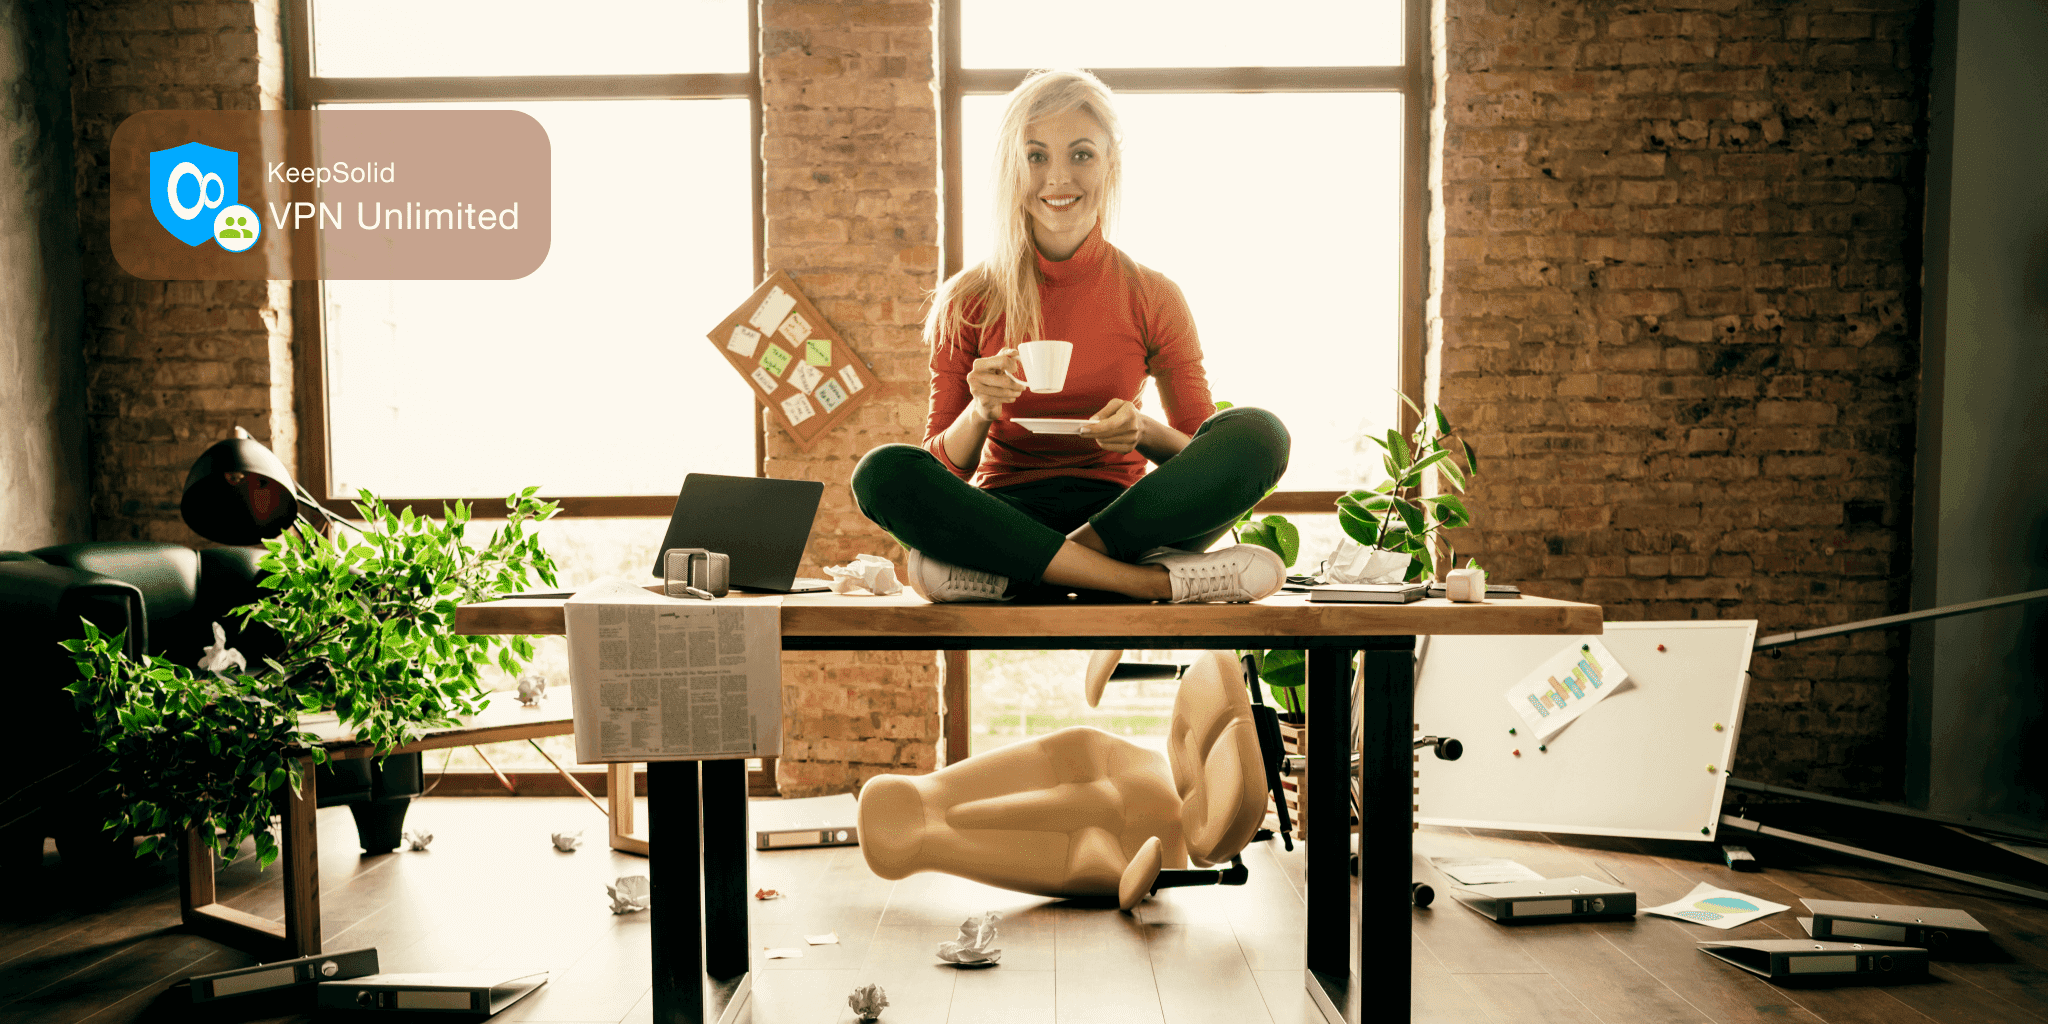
1421,894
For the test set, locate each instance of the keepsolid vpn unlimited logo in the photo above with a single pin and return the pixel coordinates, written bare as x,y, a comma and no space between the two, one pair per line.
382,195
194,190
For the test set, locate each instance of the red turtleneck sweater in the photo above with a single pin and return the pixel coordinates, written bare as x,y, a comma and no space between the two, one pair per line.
1127,322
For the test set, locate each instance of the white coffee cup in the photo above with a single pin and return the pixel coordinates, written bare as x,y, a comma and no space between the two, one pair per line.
1044,364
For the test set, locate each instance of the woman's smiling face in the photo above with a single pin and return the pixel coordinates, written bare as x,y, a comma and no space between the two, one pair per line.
1065,154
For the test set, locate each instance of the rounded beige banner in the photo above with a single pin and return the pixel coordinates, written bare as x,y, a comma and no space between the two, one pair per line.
227,195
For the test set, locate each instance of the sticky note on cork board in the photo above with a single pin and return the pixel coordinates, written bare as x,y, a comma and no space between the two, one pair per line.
775,360
778,309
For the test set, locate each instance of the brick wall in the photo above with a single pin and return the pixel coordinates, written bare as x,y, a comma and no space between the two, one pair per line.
1677,251
173,366
851,154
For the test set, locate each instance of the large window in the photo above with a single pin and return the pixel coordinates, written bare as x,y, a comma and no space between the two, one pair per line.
591,377
1274,169
586,376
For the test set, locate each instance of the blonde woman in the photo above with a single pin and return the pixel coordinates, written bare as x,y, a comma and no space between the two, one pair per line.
992,511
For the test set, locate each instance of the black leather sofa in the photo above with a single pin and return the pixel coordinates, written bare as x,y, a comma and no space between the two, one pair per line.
165,597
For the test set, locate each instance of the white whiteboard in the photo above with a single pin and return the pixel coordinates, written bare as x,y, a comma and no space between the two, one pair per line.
1634,765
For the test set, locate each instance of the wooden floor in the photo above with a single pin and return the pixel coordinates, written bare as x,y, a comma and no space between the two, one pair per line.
492,892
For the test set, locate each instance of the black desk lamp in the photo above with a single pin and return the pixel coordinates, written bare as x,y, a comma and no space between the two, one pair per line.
239,492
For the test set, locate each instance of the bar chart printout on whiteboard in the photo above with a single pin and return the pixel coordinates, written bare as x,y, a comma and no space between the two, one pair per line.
1564,687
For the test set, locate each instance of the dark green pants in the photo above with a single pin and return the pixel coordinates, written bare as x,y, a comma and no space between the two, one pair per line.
1189,502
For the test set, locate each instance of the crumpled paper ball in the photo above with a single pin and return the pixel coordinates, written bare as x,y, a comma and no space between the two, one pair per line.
630,894
975,946
532,689
417,838
567,842
219,657
867,1001
871,573
1352,562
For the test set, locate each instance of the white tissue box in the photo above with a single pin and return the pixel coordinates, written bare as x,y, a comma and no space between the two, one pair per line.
1465,584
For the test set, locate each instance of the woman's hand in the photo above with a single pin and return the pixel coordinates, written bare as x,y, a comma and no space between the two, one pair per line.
991,385
1117,428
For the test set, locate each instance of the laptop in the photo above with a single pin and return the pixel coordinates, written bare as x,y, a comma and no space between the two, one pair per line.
759,523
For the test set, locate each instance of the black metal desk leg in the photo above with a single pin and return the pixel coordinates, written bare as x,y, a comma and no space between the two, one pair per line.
1387,765
725,868
674,867
1326,816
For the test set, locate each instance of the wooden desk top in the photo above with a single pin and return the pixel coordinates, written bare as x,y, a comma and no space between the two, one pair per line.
1283,615
505,719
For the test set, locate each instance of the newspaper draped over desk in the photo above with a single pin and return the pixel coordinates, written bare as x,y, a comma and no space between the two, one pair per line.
655,678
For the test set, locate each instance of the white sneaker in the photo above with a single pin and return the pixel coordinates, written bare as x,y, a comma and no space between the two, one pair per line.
1236,574
939,582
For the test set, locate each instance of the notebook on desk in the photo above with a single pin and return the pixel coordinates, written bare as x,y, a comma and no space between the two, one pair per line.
758,523
1368,593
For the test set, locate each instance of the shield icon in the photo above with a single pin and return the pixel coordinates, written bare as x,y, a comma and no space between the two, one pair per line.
187,184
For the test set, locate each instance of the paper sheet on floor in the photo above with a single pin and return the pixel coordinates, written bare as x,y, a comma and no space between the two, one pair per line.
1564,687
1716,907
1482,870
657,678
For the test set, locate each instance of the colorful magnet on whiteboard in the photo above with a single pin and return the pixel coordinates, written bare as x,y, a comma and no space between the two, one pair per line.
1703,830
1718,727
1511,730
1710,769
1541,748
1660,648
1518,752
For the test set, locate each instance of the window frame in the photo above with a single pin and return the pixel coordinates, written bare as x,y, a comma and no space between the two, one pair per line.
305,91
1412,79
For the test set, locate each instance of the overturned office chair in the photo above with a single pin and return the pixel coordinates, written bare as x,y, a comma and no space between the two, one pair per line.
1105,667
1082,813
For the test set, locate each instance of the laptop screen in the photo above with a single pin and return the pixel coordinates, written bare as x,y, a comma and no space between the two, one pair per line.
759,523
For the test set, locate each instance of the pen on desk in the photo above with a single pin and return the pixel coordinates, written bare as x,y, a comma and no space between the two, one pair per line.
701,595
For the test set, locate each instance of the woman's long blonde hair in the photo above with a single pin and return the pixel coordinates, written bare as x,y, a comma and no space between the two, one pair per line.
1006,282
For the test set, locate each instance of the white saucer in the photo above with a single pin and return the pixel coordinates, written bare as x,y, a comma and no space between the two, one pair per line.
1050,426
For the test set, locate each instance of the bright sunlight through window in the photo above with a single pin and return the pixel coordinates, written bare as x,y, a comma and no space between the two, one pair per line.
586,376
1278,214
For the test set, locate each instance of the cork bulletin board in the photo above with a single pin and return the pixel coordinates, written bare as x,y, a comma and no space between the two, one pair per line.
806,374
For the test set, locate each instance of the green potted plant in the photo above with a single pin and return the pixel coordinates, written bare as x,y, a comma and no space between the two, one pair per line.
366,626
1397,518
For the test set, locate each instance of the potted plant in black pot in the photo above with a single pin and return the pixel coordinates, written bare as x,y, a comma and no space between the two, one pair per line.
363,628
